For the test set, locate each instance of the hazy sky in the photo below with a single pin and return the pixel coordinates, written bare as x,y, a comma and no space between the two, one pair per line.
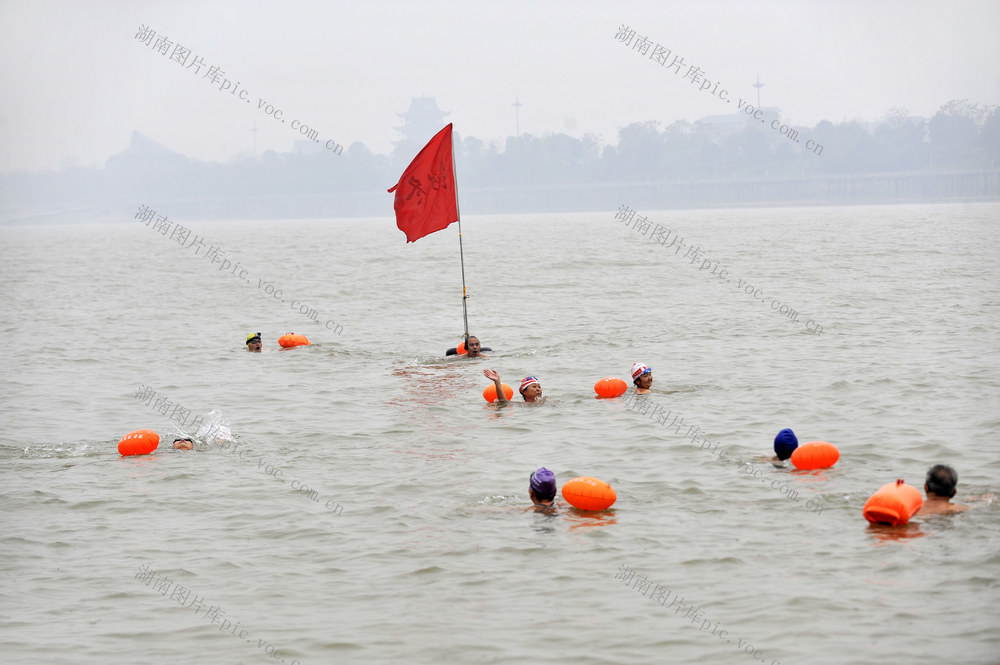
76,82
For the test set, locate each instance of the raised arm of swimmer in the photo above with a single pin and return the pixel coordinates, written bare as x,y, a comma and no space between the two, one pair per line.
492,375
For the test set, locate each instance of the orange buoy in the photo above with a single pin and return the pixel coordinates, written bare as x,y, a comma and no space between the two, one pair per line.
490,394
139,442
893,504
288,340
588,493
610,386
815,455
460,349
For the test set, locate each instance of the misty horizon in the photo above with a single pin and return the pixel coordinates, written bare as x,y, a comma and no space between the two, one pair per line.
709,124
214,78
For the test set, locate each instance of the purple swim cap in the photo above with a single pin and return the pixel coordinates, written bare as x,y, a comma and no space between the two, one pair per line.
543,484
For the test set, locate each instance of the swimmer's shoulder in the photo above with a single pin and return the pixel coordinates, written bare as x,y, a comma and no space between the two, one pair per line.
950,509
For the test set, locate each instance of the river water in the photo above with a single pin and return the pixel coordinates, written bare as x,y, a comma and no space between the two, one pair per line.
413,542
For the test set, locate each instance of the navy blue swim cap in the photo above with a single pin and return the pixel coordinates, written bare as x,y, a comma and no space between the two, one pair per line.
785,444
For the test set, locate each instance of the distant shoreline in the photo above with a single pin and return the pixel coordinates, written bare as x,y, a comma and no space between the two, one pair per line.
969,186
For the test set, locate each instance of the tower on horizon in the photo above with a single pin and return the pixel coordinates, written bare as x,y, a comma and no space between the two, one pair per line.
420,123
758,85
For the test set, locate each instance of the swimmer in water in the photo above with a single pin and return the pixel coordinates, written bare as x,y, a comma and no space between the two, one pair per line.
784,445
531,389
940,488
642,377
253,343
184,444
473,349
542,488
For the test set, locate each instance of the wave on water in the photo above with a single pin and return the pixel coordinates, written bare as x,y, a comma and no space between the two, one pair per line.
214,429
63,450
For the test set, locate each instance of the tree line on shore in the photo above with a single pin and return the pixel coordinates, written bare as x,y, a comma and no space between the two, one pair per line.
960,136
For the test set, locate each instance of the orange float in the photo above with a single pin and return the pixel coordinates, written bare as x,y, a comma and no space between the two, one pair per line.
893,504
815,455
139,442
490,394
289,340
588,493
460,349
610,386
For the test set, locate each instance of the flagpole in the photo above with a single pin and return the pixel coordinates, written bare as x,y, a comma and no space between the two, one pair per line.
461,253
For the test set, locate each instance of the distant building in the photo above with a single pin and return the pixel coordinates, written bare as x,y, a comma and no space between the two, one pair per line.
420,123
910,121
143,156
307,148
721,126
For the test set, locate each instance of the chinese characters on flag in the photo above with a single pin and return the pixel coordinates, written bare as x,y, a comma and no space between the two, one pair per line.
426,200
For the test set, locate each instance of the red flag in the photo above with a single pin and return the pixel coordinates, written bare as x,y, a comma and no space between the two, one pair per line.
426,200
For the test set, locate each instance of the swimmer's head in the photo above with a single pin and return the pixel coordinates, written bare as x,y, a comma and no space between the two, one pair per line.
253,342
530,389
542,485
941,480
785,444
184,444
472,346
642,376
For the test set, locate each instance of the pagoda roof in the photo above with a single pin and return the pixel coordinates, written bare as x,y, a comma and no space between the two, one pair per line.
423,106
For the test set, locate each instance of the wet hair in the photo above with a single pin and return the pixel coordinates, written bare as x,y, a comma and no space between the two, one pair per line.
941,480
